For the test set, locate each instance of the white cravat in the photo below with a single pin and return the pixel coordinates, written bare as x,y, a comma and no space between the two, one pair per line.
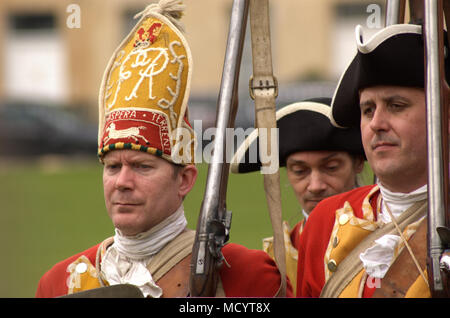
305,214
378,258
125,261
399,202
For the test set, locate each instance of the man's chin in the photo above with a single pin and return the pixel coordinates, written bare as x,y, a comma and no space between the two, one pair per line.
126,223
308,207
127,230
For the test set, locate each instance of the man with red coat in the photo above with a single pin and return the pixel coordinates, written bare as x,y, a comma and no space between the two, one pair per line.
353,244
321,160
147,173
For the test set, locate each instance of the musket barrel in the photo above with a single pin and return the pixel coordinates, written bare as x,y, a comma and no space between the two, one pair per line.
434,102
203,263
395,11
227,96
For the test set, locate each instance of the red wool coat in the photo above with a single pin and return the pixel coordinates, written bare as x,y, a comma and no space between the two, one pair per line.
252,273
315,237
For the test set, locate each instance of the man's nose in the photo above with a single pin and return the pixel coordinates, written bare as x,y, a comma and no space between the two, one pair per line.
316,182
379,120
124,179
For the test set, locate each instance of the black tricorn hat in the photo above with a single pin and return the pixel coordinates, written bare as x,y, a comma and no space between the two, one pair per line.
394,56
303,126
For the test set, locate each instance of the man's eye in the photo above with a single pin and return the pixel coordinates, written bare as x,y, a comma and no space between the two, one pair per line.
367,111
142,166
332,167
397,106
299,171
112,167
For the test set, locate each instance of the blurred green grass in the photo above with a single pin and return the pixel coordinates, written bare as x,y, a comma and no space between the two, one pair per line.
52,209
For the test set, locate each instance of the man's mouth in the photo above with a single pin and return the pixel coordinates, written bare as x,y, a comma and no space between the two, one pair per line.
382,145
315,200
125,207
126,204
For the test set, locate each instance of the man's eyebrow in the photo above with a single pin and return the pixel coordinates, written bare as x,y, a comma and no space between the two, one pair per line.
295,162
387,99
367,103
391,98
110,162
329,157
322,160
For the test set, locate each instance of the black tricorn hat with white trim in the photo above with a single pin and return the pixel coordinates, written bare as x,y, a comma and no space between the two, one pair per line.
303,126
394,56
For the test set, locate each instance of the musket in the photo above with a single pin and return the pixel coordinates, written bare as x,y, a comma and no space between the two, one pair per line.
395,11
437,93
430,15
215,220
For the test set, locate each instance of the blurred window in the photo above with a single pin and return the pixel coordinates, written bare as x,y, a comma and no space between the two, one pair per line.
35,60
347,17
28,22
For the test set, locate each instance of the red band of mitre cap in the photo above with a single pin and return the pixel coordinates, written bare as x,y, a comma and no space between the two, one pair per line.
146,130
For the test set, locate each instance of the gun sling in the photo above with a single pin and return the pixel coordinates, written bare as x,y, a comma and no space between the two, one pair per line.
263,89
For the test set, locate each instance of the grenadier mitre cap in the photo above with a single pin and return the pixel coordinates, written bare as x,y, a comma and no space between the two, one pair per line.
303,126
145,89
394,56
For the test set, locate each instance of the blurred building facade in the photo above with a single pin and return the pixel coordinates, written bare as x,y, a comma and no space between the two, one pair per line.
55,51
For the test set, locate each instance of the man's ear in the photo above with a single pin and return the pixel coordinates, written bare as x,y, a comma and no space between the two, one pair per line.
188,177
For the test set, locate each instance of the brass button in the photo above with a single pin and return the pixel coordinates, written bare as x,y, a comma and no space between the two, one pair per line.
343,219
335,241
332,266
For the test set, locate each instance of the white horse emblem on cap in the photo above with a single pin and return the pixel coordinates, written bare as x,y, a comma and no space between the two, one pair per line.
132,132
